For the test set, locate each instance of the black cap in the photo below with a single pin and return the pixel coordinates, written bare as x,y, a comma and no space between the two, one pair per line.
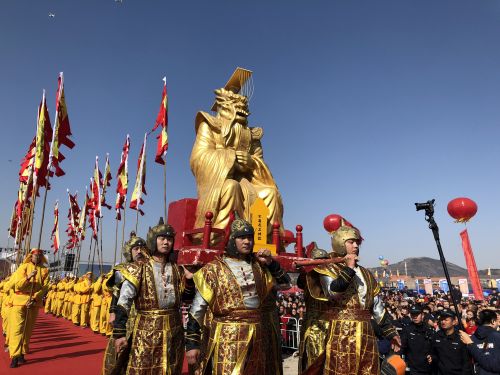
447,313
416,309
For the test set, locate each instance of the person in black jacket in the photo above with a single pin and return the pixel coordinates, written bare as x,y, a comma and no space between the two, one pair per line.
484,346
449,353
416,343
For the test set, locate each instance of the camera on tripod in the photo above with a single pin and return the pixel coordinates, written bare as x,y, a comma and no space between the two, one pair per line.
428,206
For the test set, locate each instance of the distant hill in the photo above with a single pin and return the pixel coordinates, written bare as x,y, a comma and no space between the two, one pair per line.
430,267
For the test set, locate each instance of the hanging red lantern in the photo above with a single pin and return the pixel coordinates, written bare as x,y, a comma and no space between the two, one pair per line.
462,209
333,222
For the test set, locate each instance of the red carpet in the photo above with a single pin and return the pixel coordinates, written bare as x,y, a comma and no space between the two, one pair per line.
58,347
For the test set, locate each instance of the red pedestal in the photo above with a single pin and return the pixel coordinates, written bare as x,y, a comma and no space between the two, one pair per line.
182,216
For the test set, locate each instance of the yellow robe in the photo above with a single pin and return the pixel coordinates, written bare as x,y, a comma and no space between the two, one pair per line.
84,291
61,287
19,314
49,299
104,327
76,306
8,290
95,307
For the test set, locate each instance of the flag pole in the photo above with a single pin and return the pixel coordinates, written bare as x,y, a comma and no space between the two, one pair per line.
137,218
90,252
100,246
43,208
116,240
93,255
165,187
123,230
32,214
77,257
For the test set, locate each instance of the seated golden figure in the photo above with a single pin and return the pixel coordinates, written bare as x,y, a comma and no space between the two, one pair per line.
227,160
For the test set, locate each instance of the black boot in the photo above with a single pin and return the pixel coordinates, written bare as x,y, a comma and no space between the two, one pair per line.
21,360
14,362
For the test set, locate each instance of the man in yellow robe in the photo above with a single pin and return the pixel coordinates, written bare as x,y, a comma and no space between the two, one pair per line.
105,326
341,299
227,162
61,290
242,335
96,301
31,283
77,305
84,291
68,297
8,291
49,299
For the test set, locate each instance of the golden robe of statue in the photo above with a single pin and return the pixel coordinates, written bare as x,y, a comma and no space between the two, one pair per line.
227,162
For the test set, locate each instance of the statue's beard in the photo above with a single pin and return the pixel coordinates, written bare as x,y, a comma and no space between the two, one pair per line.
235,115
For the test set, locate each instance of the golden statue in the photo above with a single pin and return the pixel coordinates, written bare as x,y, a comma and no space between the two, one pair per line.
227,159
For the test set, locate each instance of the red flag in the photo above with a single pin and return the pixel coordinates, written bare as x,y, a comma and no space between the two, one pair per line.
27,163
42,144
122,179
55,231
82,221
73,216
95,186
471,266
62,130
140,180
106,183
162,119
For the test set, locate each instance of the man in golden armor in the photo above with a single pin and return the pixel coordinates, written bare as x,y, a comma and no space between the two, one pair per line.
227,160
242,335
134,250
157,288
31,281
337,336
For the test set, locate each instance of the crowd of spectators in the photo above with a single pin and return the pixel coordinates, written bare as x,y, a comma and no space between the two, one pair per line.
431,317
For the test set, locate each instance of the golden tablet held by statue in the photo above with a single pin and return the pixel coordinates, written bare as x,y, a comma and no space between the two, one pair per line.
227,159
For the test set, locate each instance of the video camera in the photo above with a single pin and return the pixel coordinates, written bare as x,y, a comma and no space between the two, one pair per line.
427,206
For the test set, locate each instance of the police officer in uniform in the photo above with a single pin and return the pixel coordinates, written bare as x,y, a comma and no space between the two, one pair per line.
416,344
449,353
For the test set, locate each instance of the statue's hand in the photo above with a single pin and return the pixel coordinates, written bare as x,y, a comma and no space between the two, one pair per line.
244,159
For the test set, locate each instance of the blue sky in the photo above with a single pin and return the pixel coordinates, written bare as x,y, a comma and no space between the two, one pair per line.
367,106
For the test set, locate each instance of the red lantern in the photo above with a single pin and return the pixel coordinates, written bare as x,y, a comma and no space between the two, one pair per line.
462,209
333,222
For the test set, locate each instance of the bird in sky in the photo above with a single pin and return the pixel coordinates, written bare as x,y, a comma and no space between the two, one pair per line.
51,15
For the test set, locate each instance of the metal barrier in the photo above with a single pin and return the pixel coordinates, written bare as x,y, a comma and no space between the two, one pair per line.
290,338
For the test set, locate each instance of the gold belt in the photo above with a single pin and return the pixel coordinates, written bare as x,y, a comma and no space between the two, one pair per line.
345,314
245,316
158,312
